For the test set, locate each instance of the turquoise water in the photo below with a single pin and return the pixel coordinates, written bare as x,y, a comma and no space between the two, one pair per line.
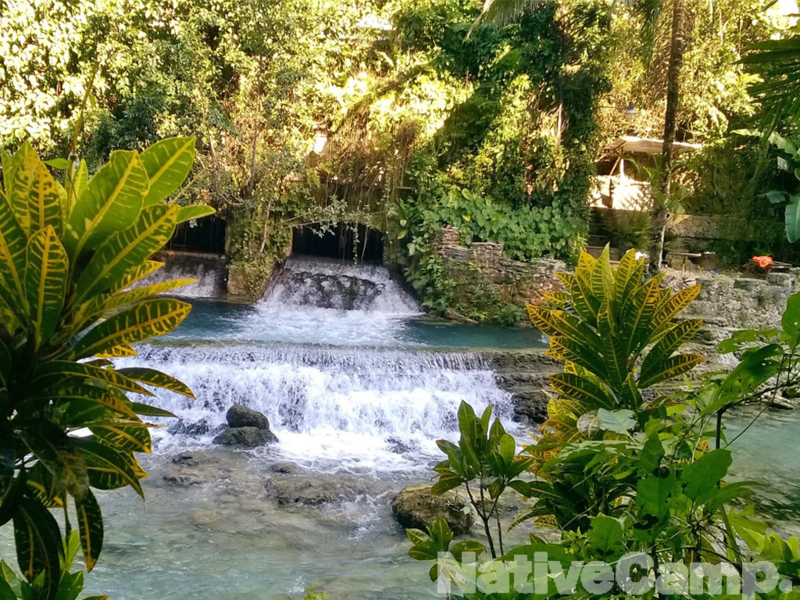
768,453
228,322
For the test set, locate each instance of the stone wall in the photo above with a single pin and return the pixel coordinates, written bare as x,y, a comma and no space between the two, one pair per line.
528,282
729,302
718,228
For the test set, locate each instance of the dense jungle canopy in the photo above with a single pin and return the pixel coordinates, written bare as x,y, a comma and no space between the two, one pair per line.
389,113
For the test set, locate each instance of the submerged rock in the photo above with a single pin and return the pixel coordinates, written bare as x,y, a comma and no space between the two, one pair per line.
249,437
239,415
416,508
312,491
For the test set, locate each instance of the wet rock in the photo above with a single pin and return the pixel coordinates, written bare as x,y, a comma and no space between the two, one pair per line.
284,468
248,437
239,415
398,446
416,508
203,518
313,490
201,427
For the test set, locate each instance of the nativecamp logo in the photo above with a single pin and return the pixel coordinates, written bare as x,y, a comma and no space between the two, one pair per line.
634,574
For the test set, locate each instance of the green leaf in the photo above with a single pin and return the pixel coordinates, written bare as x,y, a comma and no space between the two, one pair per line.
151,411
6,593
45,283
90,526
57,163
145,320
702,476
157,379
776,197
126,250
507,448
70,392
653,495
197,211
619,421
58,454
792,218
460,548
447,482
606,535
167,163
111,202
38,542
110,469
791,316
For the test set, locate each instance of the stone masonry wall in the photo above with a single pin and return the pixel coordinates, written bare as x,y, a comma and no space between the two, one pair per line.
530,280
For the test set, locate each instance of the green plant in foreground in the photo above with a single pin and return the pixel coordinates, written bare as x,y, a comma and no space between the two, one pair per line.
68,256
622,474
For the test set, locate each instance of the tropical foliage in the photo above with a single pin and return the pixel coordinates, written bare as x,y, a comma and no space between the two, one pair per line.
619,473
71,255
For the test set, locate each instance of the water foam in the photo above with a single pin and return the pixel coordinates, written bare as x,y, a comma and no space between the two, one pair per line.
358,407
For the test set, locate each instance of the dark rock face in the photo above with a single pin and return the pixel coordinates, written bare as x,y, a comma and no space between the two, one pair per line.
416,508
201,427
240,416
249,437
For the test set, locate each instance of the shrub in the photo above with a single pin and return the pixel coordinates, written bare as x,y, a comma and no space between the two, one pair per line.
68,257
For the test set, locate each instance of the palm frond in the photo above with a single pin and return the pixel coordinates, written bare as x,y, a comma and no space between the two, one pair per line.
777,63
500,13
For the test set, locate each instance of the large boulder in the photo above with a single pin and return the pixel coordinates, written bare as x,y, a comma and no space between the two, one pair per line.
416,508
240,416
248,437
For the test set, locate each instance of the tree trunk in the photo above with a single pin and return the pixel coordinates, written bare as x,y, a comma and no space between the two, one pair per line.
661,205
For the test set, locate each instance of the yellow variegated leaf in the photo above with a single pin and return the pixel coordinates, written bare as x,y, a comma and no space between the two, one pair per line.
13,241
130,436
137,274
542,319
671,368
109,468
44,194
157,379
77,178
566,349
16,192
570,326
120,351
167,163
670,342
670,309
111,203
46,272
581,390
90,528
125,250
142,321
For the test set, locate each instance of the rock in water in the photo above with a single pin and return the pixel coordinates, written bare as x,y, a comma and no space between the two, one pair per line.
416,508
240,416
249,437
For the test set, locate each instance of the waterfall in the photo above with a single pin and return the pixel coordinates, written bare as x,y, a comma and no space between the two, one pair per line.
342,404
338,285
208,269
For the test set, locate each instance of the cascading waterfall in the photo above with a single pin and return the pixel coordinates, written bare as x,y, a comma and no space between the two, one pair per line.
385,407
207,269
353,400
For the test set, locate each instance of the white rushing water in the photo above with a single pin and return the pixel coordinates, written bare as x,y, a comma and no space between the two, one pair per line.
208,270
353,407
327,395
325,301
